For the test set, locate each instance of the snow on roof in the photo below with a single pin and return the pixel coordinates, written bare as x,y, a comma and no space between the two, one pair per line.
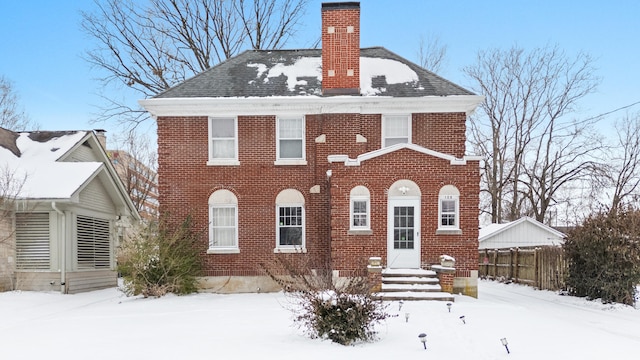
37,172
491,229
394,71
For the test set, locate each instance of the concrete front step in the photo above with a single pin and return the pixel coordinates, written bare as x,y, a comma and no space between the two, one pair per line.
419,287
411,284
413,295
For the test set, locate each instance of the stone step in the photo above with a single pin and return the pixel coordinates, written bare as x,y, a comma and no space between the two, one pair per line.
414,295
411,284
411,287
410,280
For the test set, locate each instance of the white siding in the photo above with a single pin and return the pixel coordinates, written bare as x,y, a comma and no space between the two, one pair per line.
522,234
83,153
95,197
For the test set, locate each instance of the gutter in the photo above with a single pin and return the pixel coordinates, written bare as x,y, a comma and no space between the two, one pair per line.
63,256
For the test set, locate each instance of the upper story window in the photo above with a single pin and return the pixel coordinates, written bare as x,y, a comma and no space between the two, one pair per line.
290,147
223,141
396,129
449,208
290,219
223,222
360,208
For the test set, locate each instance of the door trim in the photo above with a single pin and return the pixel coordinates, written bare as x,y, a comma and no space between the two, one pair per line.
404,258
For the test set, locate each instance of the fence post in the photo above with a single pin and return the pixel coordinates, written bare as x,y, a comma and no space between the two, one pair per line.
516,263
536,264
495,263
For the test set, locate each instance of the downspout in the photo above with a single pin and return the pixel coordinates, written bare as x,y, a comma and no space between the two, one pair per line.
331,264
63,248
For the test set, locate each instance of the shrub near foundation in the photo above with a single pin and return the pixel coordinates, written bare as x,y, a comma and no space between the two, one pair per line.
159,259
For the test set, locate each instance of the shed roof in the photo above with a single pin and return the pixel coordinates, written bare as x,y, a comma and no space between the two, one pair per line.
490,230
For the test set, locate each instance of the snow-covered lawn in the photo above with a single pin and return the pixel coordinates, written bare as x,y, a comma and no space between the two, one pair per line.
107,325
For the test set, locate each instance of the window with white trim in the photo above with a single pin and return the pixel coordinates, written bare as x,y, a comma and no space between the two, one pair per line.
223,222
290,221
360,208
396,129
290,138
223,140
449,208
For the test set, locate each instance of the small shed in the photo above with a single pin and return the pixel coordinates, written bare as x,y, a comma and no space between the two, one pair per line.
522,233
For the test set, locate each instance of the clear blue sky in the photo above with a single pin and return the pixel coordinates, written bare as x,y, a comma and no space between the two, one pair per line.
41,45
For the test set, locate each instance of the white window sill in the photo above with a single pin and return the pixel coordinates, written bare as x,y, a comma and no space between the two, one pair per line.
360,232
448,232
223,163
290,162
290,250
223,251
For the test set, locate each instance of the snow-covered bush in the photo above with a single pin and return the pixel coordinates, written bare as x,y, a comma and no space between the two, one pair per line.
342,310
160,258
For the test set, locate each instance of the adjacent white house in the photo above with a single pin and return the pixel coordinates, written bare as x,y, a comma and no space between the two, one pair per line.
62,211
521,233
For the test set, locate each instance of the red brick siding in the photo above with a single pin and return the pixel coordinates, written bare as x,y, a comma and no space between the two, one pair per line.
443,132
186,182
430,174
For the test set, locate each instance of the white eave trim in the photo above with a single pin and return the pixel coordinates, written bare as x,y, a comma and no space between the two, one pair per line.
309,105
373,154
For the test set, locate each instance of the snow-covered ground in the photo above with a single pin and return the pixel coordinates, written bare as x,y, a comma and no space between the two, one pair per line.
107,325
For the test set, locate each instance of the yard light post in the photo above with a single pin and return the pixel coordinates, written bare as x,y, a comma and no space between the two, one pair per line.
406,317
505,343
400,305
463,320
449,306
423,339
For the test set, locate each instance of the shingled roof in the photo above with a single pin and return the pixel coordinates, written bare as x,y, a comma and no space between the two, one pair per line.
273,73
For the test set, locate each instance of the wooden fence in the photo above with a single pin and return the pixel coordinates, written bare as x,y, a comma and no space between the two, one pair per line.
542,267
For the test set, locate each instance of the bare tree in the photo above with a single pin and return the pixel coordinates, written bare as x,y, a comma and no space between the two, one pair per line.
12,117
431,53
619,174
532,148
135,163
11,183
152,46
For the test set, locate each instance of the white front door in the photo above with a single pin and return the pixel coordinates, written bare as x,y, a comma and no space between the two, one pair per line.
403,233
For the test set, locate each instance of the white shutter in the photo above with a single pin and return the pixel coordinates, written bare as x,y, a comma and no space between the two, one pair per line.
32,241
93,243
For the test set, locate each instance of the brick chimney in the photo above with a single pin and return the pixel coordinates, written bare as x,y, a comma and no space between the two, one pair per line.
341,48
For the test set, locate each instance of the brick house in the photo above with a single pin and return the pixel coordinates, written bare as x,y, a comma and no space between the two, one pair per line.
338,154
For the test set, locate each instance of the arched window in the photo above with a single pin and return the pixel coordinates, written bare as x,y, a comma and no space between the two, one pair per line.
290,223
449,208
360,208
223,222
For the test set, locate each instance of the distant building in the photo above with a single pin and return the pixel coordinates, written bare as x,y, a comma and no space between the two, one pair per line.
140,181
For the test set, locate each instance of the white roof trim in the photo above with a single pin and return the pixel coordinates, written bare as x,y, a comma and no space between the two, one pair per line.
373,154
309,105
511,224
